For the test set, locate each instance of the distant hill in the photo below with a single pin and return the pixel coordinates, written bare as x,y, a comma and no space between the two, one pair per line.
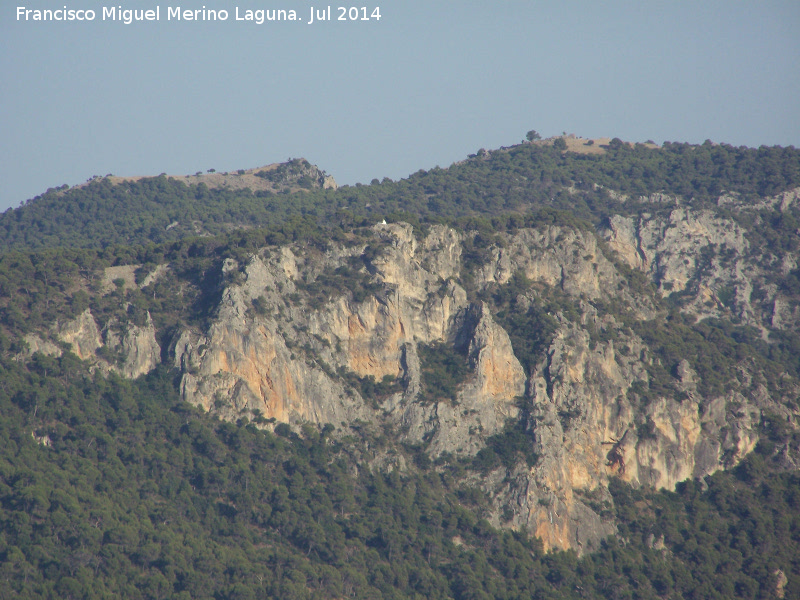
138,210
110,210
293,176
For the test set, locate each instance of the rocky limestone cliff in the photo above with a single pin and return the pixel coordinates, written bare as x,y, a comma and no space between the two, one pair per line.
82,335
706,255
587,427
136,347
587,344
284,338
124,348
284,365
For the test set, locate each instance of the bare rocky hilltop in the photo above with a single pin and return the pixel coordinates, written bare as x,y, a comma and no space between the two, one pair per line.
294,175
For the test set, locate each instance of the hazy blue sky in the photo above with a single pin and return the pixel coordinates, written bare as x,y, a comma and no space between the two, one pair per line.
426,85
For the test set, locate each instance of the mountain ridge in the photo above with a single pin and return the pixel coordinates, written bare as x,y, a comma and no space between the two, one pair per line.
258,179
513,180
548,348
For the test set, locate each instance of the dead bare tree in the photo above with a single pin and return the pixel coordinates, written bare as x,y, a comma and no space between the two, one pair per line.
615,458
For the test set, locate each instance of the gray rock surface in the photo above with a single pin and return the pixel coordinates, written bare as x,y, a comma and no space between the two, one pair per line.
586,424
299,332
137,347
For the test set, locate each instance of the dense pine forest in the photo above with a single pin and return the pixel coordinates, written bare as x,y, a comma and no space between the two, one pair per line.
139,495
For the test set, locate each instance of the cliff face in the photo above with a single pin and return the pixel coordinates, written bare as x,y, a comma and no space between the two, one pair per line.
592,347
587,426
288,364
297,327
706,254
125,348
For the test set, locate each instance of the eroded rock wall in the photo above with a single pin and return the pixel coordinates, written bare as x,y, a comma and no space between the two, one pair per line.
131,350
286,344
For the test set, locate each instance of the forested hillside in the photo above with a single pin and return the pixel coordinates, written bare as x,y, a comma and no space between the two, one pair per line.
508,181
134,493
546,374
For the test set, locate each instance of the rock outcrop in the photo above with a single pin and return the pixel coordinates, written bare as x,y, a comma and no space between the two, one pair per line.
125,348
82,335
546,335
137,348
706,256
587,427
287,344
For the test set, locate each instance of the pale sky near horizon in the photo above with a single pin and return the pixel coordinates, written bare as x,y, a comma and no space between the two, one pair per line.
426,85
